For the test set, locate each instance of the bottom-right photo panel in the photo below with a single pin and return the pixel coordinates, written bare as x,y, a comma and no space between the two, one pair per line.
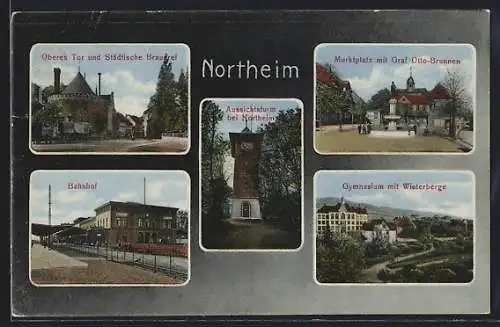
382,226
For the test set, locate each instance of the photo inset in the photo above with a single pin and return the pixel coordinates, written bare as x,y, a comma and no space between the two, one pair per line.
109,228
394,98
394,227
110,99
251,165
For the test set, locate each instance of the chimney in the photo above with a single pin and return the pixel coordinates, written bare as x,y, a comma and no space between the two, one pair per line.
57,80
99,83
85,76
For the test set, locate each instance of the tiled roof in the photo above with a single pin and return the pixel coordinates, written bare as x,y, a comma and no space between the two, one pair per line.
415,99
322,75
335,208
439,92
78,85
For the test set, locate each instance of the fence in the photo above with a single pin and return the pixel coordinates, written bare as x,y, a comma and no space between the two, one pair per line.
176,250
174,267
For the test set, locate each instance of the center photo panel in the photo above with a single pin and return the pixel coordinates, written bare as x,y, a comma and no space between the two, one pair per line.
251,172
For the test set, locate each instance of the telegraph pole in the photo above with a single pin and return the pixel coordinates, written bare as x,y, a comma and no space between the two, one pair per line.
144,185
50,216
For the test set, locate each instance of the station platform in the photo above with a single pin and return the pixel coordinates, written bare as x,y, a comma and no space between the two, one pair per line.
45,258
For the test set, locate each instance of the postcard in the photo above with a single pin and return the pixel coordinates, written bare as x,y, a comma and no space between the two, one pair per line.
109,228
394,98
405,227
251,172
109,99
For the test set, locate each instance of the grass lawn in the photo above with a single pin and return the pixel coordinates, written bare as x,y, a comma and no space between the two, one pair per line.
100,272
330,140
260,236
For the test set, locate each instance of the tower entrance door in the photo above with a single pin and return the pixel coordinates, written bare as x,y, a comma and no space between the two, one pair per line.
245,209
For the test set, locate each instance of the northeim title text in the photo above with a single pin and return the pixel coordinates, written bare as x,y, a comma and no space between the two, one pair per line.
245,69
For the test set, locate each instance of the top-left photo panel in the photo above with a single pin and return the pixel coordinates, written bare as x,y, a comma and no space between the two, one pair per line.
107,99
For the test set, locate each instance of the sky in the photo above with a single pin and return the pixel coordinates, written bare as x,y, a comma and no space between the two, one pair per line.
133,82
236,126
456,200
368,78
163,188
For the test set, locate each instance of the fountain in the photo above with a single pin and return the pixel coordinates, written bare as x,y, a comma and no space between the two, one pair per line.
392,118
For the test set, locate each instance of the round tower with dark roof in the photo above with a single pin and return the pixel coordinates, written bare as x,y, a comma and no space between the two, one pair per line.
79,103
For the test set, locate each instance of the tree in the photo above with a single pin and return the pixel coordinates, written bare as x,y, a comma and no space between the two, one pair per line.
163,104
454,83
51,115
379,246
279,170
339,259
215,190
49,90
380,101
331,99
183,102
182,222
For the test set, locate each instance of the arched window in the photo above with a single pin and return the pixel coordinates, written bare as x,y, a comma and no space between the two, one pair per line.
245,209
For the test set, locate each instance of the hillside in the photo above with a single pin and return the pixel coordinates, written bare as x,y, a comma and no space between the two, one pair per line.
375,212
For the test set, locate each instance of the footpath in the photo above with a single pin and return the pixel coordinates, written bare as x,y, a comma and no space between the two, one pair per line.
44,258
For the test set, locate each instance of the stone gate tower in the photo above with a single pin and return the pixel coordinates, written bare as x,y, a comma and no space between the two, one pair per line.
245,149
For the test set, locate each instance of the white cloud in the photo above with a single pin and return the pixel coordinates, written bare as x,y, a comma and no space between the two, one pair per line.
131,104
131,94
456,205
43,75
71,196
463,210
158,192
381,198
124,79
456,200
425,75
127,196
181,204
66,205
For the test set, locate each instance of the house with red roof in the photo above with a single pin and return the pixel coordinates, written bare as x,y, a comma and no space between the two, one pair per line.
420,103
326,81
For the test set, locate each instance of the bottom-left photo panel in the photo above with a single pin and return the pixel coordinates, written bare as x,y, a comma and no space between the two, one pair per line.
113,227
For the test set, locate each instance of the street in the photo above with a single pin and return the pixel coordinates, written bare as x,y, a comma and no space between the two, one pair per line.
170,144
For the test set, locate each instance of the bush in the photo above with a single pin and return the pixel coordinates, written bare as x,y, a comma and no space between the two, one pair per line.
383,275
445,275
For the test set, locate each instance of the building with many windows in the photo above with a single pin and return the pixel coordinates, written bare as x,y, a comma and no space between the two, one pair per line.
379,229
340,218
132,223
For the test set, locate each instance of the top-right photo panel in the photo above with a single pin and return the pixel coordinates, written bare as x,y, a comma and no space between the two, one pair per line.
394,98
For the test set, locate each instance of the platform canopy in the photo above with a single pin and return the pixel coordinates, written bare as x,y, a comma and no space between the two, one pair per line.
44,230
71,231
